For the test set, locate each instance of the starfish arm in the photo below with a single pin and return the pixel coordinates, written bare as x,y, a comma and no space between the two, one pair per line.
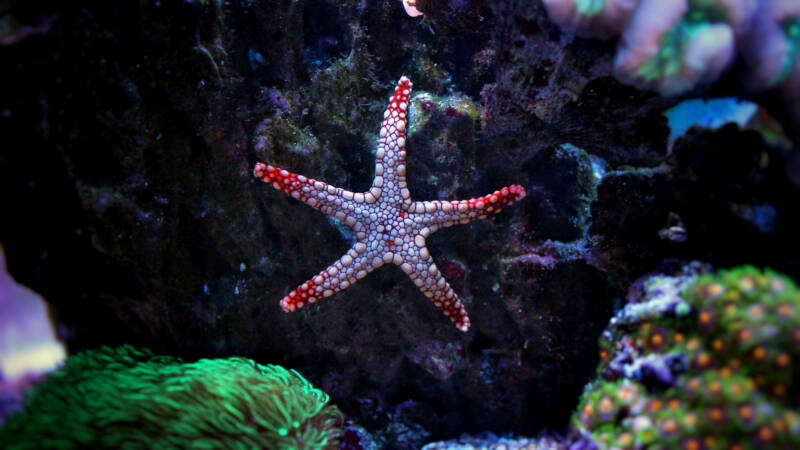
433,285
446,213
329,199
354,265
390,158
389,227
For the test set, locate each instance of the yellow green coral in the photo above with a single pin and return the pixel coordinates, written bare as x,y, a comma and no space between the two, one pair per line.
719,375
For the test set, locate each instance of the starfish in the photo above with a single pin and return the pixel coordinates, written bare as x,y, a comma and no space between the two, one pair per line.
389,226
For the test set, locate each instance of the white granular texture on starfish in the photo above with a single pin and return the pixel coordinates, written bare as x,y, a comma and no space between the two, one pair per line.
390,227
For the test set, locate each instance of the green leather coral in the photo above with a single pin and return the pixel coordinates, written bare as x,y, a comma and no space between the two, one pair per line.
129,398
712,367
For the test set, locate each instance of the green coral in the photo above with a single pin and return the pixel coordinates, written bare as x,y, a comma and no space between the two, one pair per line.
668,61
589,8
128,398
733,352
791,29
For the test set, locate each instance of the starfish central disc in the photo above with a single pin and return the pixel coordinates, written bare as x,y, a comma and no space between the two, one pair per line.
390,228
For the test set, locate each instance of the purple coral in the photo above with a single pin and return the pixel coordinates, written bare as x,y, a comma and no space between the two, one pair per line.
770,47
671,46
587,21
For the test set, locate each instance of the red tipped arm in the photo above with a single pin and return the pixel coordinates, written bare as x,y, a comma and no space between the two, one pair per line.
390,157
446,213
322,196
354,265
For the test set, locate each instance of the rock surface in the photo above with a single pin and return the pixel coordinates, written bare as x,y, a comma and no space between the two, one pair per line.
132,130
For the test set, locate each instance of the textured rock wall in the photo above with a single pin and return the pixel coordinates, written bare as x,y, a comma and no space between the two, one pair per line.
130,205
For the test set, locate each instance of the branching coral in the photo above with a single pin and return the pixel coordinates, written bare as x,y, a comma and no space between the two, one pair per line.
123,397
712,368
673,45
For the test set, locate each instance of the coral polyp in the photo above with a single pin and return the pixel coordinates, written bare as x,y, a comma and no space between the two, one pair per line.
129,398
671,46
713,368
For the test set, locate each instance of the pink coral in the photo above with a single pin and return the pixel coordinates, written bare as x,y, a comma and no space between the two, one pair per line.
578,19
671,46
768,50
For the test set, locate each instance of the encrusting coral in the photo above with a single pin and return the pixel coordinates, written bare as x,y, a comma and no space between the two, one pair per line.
128,398
711,367
671,46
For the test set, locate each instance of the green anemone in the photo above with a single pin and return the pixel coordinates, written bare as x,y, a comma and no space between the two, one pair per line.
129,398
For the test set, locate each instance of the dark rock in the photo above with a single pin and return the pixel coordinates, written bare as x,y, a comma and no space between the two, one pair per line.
131,130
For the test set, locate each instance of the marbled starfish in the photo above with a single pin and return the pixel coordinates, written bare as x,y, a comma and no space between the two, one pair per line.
390,228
